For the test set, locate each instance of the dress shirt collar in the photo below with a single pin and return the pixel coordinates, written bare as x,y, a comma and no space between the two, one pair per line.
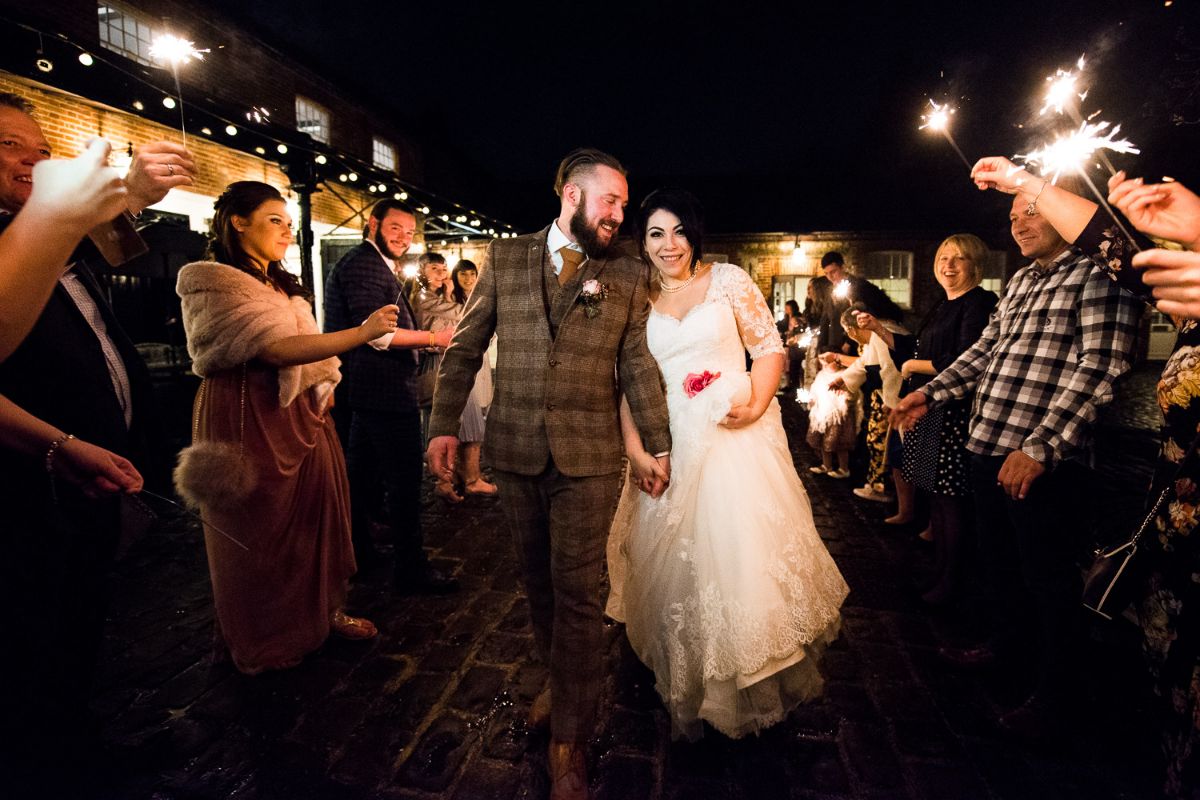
556,240
391,264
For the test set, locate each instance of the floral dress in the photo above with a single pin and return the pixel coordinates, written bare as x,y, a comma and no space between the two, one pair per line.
1169,606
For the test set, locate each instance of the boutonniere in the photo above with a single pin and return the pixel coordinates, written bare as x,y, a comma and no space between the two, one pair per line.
591,295
695,383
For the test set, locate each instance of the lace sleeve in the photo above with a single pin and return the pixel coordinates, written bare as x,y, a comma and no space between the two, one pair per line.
759,334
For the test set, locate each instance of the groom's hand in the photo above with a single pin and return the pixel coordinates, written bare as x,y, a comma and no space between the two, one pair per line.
662,476
440,456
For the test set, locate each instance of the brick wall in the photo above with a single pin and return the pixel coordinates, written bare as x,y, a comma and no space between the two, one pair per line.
241,71
69,122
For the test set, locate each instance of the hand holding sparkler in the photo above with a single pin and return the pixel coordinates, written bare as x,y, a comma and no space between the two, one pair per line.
1167,210
997,172
157,168
382,321
911,408
78,194
96,471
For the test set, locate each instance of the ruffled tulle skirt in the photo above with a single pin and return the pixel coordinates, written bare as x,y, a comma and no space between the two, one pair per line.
724,585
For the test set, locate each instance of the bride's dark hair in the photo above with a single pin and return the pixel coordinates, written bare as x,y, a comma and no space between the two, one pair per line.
242,198
682,204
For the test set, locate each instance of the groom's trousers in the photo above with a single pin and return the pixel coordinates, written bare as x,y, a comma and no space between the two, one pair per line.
560,527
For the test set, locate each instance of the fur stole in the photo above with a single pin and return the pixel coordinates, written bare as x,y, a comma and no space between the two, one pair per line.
229,318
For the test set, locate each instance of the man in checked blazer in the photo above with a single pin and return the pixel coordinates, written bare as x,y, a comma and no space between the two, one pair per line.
569,314
378,388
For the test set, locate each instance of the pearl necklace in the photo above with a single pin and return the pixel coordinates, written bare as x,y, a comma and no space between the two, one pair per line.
680,287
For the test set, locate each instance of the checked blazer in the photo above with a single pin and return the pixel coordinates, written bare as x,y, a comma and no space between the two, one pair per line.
559,373
372,380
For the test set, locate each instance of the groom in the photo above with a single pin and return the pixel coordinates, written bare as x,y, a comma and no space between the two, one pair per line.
570,314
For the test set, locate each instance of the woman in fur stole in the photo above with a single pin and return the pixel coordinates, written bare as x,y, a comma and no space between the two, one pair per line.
265,465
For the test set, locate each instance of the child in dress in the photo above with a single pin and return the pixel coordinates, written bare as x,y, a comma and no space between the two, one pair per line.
834,416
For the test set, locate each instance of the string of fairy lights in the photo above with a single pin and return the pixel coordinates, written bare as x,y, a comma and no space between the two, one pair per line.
455,221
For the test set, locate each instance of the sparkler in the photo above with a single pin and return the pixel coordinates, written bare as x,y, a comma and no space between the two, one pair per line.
1070,154
805,339
803,396
176,51
842,290
938,119
194,515
1062,89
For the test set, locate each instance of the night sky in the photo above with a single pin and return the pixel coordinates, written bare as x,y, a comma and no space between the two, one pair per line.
779,117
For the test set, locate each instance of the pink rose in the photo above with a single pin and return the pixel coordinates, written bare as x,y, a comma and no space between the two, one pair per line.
695,383
591,287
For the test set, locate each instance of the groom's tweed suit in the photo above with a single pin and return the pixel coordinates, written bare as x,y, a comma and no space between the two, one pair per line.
553,435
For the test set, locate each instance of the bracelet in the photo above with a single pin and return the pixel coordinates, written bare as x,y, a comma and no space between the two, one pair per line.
432,340
1031,209
50,453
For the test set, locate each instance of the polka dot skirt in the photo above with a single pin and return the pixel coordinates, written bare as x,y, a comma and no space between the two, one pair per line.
935,453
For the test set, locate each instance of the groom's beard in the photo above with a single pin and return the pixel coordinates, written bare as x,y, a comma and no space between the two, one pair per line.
385,248
588,236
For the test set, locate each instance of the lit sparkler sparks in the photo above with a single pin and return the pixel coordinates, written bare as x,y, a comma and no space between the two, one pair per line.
807,338
938,119
175,51
1062,88
1070,153
842,290
803,396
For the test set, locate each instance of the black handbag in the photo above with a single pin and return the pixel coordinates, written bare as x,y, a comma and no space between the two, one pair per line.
1111,580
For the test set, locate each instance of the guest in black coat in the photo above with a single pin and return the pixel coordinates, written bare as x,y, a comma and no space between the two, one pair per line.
832,338
74,408
379,386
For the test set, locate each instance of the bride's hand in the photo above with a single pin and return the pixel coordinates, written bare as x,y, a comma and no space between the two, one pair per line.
740,416
644,471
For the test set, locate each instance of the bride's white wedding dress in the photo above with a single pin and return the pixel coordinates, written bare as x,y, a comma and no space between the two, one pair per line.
724,585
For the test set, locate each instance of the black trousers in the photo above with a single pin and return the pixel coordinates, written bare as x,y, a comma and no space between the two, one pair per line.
1028,554
560,527
388,445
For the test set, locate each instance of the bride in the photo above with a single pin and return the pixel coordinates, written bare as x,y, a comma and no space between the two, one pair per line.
722,581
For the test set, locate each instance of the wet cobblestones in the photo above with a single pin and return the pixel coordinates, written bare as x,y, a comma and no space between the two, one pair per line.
433,708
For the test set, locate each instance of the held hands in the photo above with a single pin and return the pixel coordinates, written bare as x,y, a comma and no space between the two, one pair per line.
651,475
1018,473
440,456
997,172
79,193
382,321
96,471
157,168
910,409
1167,210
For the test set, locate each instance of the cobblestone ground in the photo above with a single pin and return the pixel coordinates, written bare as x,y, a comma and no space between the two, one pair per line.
432,707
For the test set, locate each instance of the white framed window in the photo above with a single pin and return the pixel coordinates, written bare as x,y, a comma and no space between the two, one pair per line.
383,154
312,118
993,271
125,31
891,270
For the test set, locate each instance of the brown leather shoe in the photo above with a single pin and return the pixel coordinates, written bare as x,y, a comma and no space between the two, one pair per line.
568,772
539,712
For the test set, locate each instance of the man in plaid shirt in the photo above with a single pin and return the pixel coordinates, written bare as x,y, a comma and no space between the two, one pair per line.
1041,370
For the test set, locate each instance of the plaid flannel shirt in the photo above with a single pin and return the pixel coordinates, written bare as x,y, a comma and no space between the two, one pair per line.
1046,361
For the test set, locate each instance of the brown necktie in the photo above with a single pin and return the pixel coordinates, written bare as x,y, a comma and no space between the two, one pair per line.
571,260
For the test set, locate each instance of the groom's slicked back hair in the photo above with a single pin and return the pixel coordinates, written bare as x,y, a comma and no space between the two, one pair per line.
682,204
580,162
